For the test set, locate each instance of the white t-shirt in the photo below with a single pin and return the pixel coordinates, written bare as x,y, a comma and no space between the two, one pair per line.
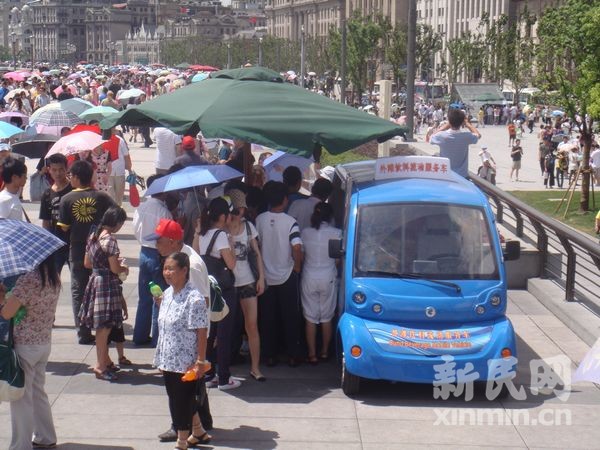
118,166
302,210
278,233
595,159
241,244
146,218
166,152
198,272
317,263
220,243
10,206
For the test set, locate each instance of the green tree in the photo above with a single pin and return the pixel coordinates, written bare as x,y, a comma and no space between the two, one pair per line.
510,49
568,60
363,39
428,43
395,54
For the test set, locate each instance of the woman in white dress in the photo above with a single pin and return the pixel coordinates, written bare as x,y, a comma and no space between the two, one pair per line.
318,287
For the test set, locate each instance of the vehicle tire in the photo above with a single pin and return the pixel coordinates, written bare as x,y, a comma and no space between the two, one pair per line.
350,382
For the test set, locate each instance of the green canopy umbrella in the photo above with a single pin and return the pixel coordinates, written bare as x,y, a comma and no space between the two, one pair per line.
255,105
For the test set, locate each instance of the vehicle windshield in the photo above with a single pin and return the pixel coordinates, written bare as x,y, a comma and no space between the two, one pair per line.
434,240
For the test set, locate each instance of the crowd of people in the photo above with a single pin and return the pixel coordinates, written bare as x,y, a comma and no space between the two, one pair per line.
264,242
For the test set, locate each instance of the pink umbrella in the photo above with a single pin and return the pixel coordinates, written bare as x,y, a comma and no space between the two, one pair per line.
70,87
17,76
171,77
6,116
76,142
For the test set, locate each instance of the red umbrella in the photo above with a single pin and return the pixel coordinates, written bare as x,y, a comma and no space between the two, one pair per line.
83,127
201,68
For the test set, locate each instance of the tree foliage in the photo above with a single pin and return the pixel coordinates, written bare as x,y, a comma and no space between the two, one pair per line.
428,43
568,61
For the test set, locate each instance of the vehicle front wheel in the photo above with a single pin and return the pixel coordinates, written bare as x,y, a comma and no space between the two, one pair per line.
350,382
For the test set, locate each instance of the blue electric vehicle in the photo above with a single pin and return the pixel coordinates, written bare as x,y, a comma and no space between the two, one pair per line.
423,277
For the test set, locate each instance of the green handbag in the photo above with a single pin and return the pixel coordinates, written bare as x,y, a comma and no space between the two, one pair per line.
12,377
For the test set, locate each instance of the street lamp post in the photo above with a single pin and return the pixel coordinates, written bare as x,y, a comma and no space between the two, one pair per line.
302,56
343,52
228,55
13,38
260,53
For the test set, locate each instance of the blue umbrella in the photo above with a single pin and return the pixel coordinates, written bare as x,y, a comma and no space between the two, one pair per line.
7,130
275,164
191,176
23,246
558,112
200,77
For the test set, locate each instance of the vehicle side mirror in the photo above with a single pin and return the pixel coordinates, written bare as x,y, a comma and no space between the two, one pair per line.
512,250
335,248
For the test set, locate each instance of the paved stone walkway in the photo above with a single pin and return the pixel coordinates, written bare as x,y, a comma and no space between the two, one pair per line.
304,408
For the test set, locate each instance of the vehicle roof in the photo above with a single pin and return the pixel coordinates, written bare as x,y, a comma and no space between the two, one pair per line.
456,190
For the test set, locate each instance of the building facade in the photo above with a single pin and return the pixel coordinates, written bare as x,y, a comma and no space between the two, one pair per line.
142,46
452,18
287,18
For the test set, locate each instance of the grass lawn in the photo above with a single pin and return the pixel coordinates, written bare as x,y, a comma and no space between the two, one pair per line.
546,202
327,159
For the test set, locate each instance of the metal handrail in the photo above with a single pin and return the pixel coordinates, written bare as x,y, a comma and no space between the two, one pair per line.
579,275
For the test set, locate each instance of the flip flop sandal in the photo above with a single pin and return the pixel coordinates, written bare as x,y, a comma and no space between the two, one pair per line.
124,361
199,440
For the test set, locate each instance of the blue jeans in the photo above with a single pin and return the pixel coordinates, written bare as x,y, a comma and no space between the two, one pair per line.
146,318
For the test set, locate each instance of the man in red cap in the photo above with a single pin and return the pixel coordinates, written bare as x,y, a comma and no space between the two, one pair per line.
190,157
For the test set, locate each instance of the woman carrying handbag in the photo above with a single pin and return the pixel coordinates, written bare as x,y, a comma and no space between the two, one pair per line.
214,247
37,291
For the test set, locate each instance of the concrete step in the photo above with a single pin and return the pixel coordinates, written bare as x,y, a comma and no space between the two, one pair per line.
575,315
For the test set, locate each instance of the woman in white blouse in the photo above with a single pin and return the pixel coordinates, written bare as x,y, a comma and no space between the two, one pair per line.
318,288
183,324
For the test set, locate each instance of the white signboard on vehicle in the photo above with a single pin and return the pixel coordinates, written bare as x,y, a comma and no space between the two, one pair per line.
433,167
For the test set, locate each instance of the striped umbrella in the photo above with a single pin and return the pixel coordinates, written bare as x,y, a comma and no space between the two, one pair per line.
56,118
23,246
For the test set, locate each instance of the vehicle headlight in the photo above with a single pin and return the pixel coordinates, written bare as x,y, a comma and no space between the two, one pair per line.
359,297
495,300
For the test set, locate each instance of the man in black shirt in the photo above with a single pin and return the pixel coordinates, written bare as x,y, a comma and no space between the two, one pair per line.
57,165
78,211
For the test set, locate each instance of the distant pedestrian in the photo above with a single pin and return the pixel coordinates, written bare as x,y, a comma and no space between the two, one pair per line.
595,163
516,155
512,133
487,169
549,161
562,166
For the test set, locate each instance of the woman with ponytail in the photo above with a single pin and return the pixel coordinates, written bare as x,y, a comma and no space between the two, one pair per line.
212,240
103,307
318,287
